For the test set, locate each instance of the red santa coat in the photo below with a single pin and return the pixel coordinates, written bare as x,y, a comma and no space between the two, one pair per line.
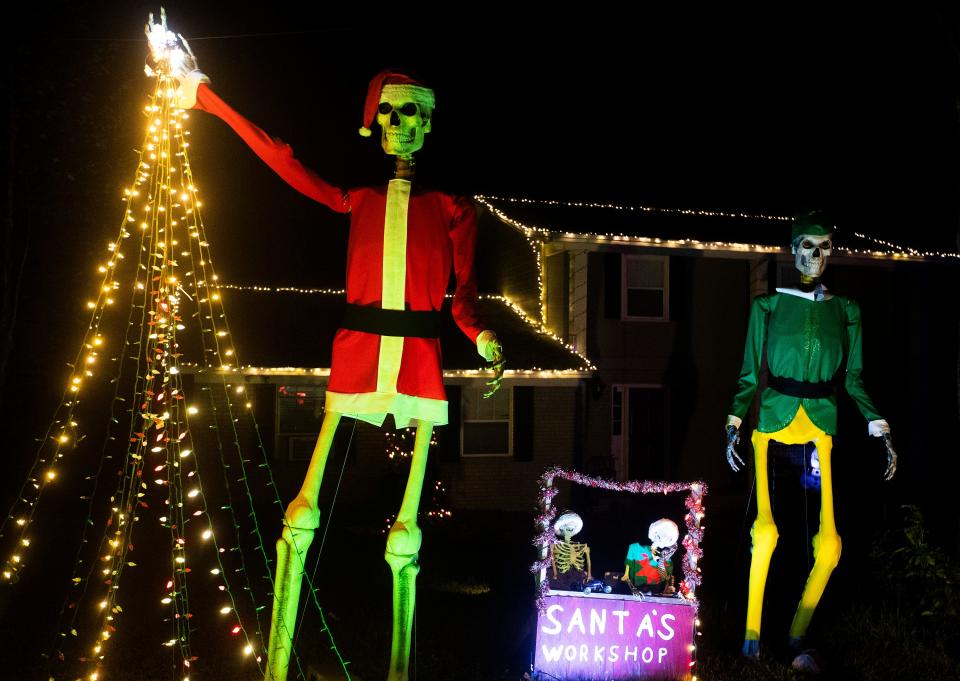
402,245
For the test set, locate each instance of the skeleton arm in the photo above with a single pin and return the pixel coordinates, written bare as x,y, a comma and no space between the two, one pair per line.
749,376
876,426
275,153
463,238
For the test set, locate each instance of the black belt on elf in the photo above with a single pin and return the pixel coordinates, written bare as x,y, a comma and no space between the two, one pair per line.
803,389
409,323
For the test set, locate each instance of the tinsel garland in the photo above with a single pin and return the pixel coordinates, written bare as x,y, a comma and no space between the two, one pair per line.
546,538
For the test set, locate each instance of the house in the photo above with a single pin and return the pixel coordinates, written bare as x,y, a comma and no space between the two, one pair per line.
623,330
658,300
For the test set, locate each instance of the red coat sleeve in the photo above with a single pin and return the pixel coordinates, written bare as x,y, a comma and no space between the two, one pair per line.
275,153
463,235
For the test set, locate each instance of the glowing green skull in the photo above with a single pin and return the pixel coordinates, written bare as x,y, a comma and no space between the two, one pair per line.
404,118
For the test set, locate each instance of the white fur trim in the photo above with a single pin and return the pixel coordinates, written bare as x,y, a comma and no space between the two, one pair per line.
374,407
414,93
186,96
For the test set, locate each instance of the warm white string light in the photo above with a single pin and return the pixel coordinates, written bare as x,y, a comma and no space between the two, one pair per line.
632,209
893,252
540,329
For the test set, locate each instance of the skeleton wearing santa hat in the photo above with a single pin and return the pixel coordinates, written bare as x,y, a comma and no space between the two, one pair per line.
403,242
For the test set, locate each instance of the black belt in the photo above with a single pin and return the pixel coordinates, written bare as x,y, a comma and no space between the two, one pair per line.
410,323
804,389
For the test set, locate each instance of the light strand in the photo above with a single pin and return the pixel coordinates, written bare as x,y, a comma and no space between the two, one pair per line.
633,209
898,252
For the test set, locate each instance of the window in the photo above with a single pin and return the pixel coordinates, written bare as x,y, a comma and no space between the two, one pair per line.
486,424
299,416
645,287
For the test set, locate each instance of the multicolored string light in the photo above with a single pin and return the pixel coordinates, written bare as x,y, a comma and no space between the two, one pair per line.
158,474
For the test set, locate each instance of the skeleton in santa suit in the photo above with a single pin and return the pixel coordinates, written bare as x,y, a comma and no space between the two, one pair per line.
386,356
812,343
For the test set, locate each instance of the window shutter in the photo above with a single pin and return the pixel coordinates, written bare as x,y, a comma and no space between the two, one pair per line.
523,423
612,285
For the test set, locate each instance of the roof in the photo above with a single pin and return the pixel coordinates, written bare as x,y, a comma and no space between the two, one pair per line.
667,228
287,330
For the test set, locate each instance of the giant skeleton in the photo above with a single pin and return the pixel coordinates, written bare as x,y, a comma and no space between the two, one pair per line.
812,341
403,242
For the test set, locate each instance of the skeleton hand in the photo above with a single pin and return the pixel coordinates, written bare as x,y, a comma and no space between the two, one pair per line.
880,428
733,438
490,349
171,54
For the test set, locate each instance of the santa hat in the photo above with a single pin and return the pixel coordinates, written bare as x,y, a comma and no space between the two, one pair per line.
396,83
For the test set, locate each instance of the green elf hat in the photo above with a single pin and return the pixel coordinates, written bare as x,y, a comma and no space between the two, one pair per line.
811,223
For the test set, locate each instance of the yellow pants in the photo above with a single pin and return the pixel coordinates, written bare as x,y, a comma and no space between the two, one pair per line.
826,543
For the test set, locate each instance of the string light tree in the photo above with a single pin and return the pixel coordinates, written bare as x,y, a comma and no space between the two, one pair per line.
159,471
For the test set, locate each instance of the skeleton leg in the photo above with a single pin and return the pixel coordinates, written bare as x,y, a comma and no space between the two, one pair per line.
826,546
402,554
300,521
765,536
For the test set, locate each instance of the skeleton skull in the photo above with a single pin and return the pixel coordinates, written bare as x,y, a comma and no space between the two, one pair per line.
663,533
404,118
567,525
811,252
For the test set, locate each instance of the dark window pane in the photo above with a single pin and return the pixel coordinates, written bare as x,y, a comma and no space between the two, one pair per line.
644,302
486,437
644,273
523,420
647,456
300,448
299,408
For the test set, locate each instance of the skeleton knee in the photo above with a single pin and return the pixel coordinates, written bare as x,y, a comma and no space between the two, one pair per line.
404,539
764,535
826,549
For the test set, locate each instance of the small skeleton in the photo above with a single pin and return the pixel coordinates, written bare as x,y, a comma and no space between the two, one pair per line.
568,555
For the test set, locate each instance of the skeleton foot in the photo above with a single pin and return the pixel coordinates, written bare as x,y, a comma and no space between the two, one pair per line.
292,550
402,554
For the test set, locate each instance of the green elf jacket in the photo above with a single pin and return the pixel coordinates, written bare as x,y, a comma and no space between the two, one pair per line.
806,340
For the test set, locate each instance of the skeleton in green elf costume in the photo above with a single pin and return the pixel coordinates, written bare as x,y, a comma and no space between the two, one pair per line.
813,344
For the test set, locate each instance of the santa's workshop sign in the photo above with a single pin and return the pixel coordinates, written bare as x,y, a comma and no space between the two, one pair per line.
606,637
